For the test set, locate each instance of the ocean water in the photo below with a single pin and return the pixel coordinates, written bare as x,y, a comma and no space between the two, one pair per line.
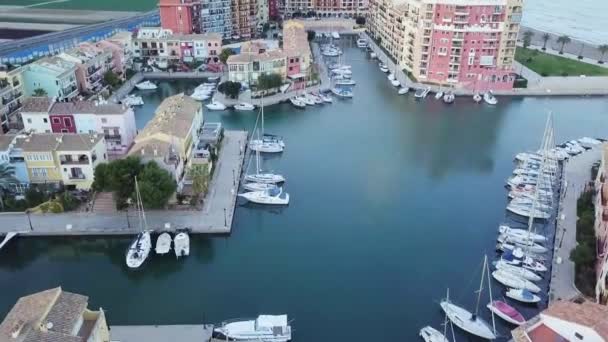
585,20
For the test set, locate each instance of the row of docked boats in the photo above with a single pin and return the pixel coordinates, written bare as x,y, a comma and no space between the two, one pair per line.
263,186
180,244
310,99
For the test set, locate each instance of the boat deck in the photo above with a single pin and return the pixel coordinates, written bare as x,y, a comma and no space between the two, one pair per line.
161,333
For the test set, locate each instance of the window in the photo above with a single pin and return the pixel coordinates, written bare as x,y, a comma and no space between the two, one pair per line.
67,122
63,130
57,121
39,172
579,336
29,120
104,120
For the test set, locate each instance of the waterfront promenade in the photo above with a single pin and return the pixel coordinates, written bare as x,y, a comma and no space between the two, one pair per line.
576,174
161,333
215,218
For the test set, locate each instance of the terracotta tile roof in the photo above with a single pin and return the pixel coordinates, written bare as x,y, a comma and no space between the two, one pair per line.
46,142
36,104
295,39
65,313
255,57
589,314
28,311
543,333
87,107
6,140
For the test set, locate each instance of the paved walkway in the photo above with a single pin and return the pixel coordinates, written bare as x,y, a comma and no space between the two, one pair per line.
574,48
161,333
215,218
577,172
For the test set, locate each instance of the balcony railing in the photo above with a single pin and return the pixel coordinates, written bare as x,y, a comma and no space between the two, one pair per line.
113,137
77,176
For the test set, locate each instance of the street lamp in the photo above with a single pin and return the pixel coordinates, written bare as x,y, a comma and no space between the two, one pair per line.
128,204
225,219
29,220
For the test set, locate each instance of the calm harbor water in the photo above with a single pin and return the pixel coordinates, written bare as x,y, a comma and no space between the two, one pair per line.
392,201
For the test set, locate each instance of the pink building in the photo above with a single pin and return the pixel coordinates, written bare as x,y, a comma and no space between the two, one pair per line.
180,16
118,55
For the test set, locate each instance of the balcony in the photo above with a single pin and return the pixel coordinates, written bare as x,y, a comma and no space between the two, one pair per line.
69,160
77,176
113,137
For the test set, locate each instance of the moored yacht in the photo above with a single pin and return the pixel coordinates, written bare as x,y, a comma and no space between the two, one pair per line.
244,106
513,281
274,196
502,229
489,98
522,295
181,244
139,249
266,328
215,105
146,85
506,312
449,97
341,92
296,102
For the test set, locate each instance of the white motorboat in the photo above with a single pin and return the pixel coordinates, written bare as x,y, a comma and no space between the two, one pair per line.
331,52
163,243
517,271
391,77
533,265
422,92
140,247
403,90
522,295
362,43
384,68
266,328
312,98
345,82
274,196
489,98
438,95
296,102
181,244
510,280
252,186
132,100
244,106
340,92
395,83
146,85
200,96
477,98
506,312
335,35
527,156
430,334
307,100
468,321
215,105
373,55
326,98
449,97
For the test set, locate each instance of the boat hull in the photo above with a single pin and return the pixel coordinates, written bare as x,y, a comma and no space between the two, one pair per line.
466,321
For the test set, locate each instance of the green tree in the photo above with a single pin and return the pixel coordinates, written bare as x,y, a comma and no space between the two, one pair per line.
230,89
311,35
269,81
360,21
39,92
118,176
546,38
155,186
200,180
528,38
564,40
7,177
602,49
582,255
225,54
111,79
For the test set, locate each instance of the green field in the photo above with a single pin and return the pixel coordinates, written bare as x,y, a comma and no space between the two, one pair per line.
550,65
102,5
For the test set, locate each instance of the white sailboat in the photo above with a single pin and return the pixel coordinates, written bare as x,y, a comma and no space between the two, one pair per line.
253,186
274,195
467,321
268,143
264,328
510,280
181,243
517,271
163,243
430,334
140,247
263,177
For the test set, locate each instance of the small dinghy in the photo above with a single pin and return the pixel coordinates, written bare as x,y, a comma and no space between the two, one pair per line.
523,296
477,98
403,90
438,95
215,105
163,243
181,243
395,83
506,312
430,334
449,97
244,106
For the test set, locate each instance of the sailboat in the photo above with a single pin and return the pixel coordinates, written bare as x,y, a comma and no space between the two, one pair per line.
274,195
430,334
140,247
268,143
467,321
263,177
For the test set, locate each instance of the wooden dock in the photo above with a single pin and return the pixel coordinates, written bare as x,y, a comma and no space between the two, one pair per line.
216,217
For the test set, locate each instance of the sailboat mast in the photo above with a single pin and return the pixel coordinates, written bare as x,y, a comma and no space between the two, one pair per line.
490,292
141,204
483,273
445,320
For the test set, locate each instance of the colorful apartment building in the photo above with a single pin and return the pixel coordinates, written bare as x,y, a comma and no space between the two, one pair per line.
244,20
216,17
56,76
169,137
119,55
253,61
297,52
465,43
601,228
180,16
115,122
91,64
54,315
11,96
327,8
67,159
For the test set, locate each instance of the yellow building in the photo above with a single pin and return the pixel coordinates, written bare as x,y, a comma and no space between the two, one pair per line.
54,315
256,60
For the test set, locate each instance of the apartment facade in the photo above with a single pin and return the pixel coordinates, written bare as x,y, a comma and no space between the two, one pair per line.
244,20
54,315
601,228
465,43
247,67
169,138
115,122
57,77
11,96
180,16
296,49
162,46
216,17
13,157
327,8
91,64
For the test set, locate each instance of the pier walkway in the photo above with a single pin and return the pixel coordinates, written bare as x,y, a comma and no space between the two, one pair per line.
161,333
215,218
576,174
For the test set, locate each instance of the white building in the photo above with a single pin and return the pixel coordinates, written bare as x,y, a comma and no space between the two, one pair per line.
35,114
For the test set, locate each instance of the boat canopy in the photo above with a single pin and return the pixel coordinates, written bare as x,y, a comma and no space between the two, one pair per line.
274,191
269,321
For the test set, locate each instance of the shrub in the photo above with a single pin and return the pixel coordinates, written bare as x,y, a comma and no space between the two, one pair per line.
68,201
564,74
230,89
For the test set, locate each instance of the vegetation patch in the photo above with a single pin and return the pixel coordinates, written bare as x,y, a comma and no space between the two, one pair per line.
551,65
585,253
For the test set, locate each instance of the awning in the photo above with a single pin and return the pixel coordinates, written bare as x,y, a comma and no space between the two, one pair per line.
296,76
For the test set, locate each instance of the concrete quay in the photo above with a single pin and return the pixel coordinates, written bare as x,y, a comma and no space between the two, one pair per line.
161,333
537,85
216,217
576,174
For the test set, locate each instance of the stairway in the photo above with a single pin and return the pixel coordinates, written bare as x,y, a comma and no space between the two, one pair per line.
104,203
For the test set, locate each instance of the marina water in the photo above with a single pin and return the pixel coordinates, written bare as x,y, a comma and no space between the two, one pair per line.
392,201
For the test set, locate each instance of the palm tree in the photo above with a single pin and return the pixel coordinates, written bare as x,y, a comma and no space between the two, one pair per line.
546,38
528,38
602,49
7,177
39,92
563,40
